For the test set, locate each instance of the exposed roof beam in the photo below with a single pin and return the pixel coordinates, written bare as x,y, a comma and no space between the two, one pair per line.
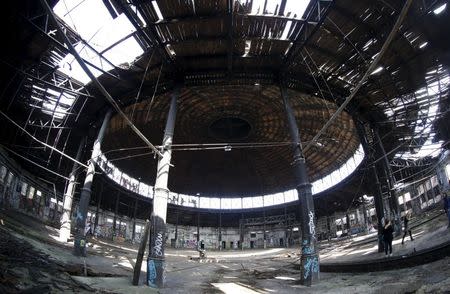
148,35
303,35
197,19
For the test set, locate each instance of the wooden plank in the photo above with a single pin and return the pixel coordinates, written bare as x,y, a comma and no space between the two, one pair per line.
140,256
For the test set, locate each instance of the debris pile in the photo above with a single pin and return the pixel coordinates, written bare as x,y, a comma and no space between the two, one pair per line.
25,270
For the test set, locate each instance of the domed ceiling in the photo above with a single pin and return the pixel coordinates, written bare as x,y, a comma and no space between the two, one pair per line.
251,120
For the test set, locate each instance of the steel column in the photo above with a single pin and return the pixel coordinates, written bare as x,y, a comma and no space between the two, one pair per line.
376,188
176,230
241,233
97,210
393,203
378,198
285,225
116,210
80,236
198,230
133,234
309,258
64,232
220,230
264,229
156,260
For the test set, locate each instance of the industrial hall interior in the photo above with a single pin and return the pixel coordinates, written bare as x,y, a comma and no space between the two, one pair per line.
225,146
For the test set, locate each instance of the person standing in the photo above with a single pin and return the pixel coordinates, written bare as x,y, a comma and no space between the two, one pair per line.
406,228
388,236
446,200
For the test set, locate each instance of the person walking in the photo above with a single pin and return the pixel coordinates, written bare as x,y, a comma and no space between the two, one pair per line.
388,236
406,228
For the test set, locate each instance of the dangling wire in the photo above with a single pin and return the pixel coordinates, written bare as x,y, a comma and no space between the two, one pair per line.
140,86
154,93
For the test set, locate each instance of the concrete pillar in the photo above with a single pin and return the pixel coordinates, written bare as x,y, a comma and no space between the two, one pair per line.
309,258
264,229
85,197
156,260
116,211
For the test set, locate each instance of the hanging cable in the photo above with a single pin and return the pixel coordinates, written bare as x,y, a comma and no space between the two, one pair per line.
96,82
367,73
36,164
154,93
39,141
142,83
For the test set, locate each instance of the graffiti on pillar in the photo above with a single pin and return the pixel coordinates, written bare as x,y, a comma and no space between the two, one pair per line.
151,273
307,250
156,268
311,266
312,227
157,249
307,247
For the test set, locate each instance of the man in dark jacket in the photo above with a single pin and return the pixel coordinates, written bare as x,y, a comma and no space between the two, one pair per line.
446,200
388,236
406,228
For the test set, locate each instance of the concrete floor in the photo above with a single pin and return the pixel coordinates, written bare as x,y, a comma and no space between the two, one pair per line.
109,266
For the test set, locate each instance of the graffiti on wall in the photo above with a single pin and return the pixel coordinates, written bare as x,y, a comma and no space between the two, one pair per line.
191,244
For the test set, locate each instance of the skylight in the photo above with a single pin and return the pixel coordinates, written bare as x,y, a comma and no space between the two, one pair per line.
440,9
293,8
95,25
428,97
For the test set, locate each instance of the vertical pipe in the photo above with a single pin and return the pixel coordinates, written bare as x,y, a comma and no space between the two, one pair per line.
85,197
156,260
309,258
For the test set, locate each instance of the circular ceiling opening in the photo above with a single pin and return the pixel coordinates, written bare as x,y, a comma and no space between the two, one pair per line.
230,129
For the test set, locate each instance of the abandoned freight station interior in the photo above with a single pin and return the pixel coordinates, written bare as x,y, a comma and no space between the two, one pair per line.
225,146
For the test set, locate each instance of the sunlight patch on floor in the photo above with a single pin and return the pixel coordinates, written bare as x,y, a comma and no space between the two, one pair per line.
232,288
